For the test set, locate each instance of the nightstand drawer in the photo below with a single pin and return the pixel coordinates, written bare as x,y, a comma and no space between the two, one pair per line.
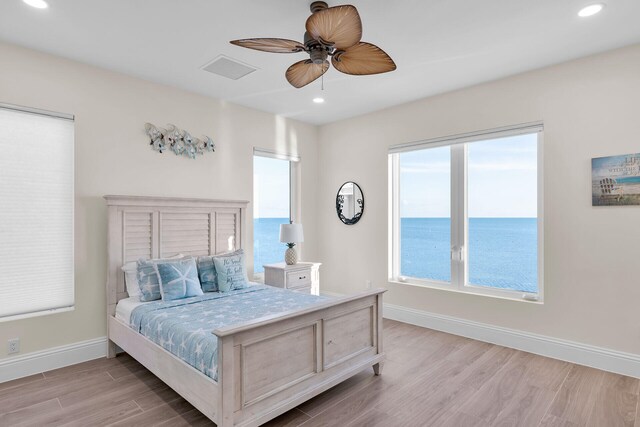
298,279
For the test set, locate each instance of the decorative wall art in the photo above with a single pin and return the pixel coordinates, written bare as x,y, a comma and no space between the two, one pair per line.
177,140
615,180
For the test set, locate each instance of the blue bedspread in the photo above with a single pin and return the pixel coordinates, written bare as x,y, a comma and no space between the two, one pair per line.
184,327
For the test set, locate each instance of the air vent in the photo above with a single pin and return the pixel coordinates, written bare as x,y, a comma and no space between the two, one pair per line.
228,67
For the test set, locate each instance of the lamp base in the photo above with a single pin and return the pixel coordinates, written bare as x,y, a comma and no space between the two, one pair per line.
291,256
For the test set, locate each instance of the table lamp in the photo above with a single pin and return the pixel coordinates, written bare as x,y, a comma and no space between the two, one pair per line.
291,234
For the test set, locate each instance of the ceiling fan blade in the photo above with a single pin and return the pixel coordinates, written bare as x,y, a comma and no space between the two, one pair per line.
304,72
339,25
270,45
362,59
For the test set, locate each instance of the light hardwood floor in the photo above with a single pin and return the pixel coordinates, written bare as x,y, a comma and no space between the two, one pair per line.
430,378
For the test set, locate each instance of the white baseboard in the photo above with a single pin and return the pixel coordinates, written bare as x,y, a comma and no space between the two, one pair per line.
52,358
570,351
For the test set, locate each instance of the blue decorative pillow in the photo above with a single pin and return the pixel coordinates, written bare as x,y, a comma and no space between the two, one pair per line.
231,271
178,279
148,280
147,277
207,271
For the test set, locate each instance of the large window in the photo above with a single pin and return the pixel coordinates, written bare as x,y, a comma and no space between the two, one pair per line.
466,213
272,206
36,212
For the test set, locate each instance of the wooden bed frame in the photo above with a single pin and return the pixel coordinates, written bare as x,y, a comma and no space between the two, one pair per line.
266,366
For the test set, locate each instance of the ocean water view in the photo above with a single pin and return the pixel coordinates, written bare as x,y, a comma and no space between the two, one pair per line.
502,252
267,248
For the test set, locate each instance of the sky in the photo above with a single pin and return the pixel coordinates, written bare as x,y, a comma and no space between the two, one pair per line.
502,181
270,187
501,177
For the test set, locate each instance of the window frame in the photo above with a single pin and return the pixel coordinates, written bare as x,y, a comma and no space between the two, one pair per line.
459,215
294,195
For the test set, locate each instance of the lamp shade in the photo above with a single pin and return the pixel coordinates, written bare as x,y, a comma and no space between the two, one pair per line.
291,233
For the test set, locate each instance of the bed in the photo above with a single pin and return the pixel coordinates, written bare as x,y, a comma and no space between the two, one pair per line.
264,362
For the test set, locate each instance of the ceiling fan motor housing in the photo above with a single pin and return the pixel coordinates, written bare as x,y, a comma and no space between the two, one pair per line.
317,51
318,55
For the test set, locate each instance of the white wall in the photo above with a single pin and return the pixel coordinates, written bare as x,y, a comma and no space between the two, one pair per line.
590,109
113,157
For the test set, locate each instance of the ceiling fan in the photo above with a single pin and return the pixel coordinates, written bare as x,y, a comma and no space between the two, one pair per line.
330,32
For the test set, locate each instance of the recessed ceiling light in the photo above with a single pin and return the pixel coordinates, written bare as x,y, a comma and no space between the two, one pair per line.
38,4
590,10
318,100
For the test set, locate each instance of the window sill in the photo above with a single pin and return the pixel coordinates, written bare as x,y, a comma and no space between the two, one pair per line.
472,290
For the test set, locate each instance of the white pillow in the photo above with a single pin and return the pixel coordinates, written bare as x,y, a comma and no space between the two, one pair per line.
131,276
131,279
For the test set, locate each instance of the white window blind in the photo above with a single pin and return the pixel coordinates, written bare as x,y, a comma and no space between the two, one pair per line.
503,132
275,155
36,212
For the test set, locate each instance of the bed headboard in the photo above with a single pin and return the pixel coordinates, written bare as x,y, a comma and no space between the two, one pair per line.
157,227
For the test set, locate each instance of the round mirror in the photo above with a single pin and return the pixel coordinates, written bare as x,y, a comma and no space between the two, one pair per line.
350,203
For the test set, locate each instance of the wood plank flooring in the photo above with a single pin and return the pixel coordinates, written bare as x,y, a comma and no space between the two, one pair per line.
429,379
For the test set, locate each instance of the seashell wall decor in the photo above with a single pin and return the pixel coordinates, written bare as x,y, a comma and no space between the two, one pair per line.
177,140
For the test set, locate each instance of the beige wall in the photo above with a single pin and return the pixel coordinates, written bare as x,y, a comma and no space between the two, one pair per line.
113,157
590,109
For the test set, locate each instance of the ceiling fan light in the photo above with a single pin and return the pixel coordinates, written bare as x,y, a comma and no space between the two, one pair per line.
318,100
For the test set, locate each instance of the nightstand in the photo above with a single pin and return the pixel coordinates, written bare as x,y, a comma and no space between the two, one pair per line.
300,277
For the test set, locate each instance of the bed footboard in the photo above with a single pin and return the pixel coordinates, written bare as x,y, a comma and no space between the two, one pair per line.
273,364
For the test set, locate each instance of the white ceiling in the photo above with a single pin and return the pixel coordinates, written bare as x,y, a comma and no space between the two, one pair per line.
438,45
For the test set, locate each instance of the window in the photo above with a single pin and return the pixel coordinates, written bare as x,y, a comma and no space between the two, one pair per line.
426,219
272,205
36,212
466,213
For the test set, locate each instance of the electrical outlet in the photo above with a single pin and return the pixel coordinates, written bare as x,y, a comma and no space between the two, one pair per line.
14,346
368,282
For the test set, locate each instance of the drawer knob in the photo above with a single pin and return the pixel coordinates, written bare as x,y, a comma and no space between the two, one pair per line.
302,277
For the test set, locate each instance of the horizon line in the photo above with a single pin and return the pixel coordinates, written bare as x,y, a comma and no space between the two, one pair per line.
425,217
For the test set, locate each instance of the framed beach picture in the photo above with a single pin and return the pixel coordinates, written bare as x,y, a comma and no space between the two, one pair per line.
615,180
